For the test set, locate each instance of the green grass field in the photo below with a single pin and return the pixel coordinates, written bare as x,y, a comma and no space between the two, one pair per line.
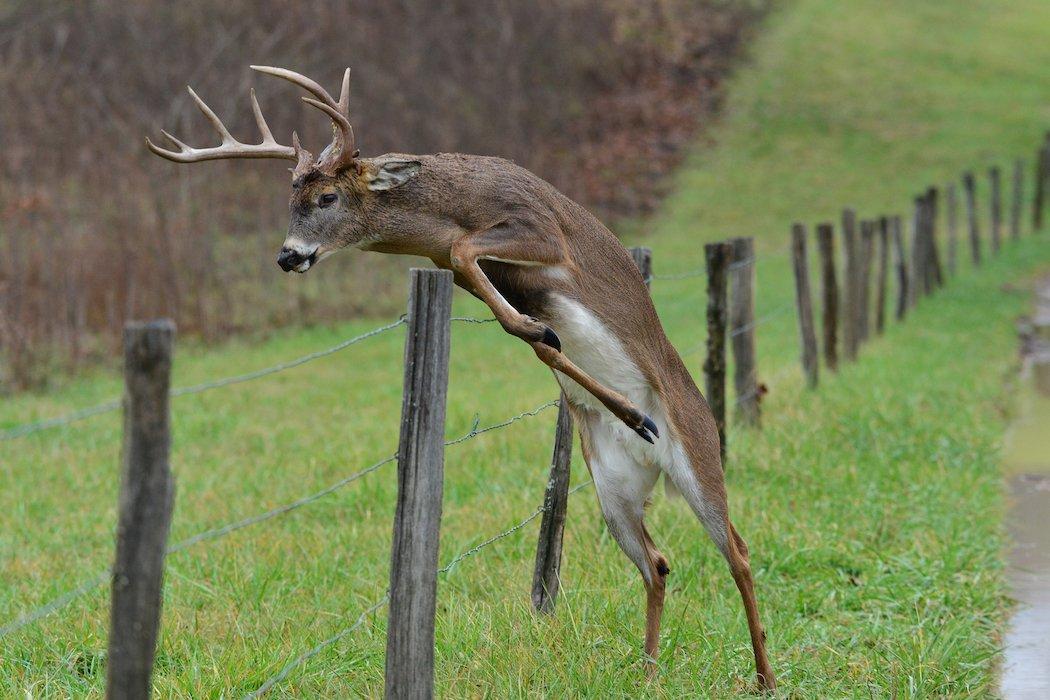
872,506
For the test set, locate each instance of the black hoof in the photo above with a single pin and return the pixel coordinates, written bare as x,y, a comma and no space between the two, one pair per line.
551,338
648,423
645,435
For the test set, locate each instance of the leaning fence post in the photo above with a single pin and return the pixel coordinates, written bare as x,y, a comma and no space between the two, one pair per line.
880,293
420,476
806,332
147,492
903,293
829,294
995,176
1017,200
969,185
850,284
717,256
953,229
546,577
742,330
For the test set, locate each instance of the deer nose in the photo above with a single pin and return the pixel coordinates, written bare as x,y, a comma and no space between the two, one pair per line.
288,259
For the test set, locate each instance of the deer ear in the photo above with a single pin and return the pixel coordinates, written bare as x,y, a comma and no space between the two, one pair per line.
393,173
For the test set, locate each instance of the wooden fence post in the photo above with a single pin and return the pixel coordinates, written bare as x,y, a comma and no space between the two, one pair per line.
1042,161
934,255
806,331
996,181
643,258
867,249
884,257
850,285
1017,200
546,577
903,293
970,185
147,494
829,294
742,330
953,229
917,283
717,256
420,483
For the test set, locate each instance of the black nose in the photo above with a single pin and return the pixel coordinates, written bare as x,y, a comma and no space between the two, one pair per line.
288,259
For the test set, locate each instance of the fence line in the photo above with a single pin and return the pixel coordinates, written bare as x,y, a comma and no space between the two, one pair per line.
114,404
215,533
321,646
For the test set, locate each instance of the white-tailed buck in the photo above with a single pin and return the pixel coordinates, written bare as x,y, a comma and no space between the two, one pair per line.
553,276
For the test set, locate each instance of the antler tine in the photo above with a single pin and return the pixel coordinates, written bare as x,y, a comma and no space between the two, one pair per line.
301,80
344,94
230,147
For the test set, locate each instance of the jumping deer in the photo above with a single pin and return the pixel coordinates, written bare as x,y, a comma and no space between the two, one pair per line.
553,276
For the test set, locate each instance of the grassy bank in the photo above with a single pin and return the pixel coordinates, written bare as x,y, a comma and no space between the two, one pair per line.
872,506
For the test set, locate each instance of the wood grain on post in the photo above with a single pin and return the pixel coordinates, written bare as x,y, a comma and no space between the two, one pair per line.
806,331
970,185
546,577
420,483
867,247
1017,200
742,330
147,493
718,257
829,294
880,282
903,293
996,181
850,285
953,229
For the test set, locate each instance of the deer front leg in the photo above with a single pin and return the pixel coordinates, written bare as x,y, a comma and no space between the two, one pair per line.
515,243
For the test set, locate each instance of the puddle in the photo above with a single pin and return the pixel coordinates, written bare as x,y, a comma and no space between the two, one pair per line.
1026,663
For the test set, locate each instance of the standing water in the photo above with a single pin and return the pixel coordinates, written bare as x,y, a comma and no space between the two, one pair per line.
1026,662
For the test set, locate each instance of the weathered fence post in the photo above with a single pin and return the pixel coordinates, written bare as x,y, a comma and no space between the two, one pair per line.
742,330
917,283
806,331
884,257
1017,200
969,184
850,285
903,293
996,181
420,483
867,245
829,294
934,255
546,577
147,493
643,258
717,256
953,229
1042,168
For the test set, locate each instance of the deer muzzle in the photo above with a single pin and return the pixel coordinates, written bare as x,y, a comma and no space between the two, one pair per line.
290,259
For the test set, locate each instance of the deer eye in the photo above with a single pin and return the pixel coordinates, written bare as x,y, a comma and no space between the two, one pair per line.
327,200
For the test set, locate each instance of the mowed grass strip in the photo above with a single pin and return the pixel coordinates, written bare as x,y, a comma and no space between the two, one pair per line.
872,506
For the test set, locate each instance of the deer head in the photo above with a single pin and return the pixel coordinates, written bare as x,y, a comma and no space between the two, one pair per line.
334,197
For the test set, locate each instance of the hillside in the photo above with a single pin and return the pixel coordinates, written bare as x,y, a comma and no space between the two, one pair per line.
872,506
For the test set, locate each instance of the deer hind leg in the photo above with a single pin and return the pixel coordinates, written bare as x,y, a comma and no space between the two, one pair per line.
711,508
623,484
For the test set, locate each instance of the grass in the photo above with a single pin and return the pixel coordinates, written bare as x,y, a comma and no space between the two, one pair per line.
872,506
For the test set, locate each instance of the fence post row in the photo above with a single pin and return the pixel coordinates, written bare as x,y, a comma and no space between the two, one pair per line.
420,476
850,285
829,294
884,257
717,256
996,180
742,333
806,331
970,185
147,493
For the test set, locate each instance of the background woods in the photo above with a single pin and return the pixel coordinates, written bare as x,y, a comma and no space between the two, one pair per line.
597,97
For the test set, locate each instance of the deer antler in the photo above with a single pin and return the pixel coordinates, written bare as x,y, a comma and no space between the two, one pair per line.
230,147
342,152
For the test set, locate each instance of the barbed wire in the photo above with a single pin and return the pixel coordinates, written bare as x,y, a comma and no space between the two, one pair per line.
759,321
321,646
702,271
114,404
215,533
